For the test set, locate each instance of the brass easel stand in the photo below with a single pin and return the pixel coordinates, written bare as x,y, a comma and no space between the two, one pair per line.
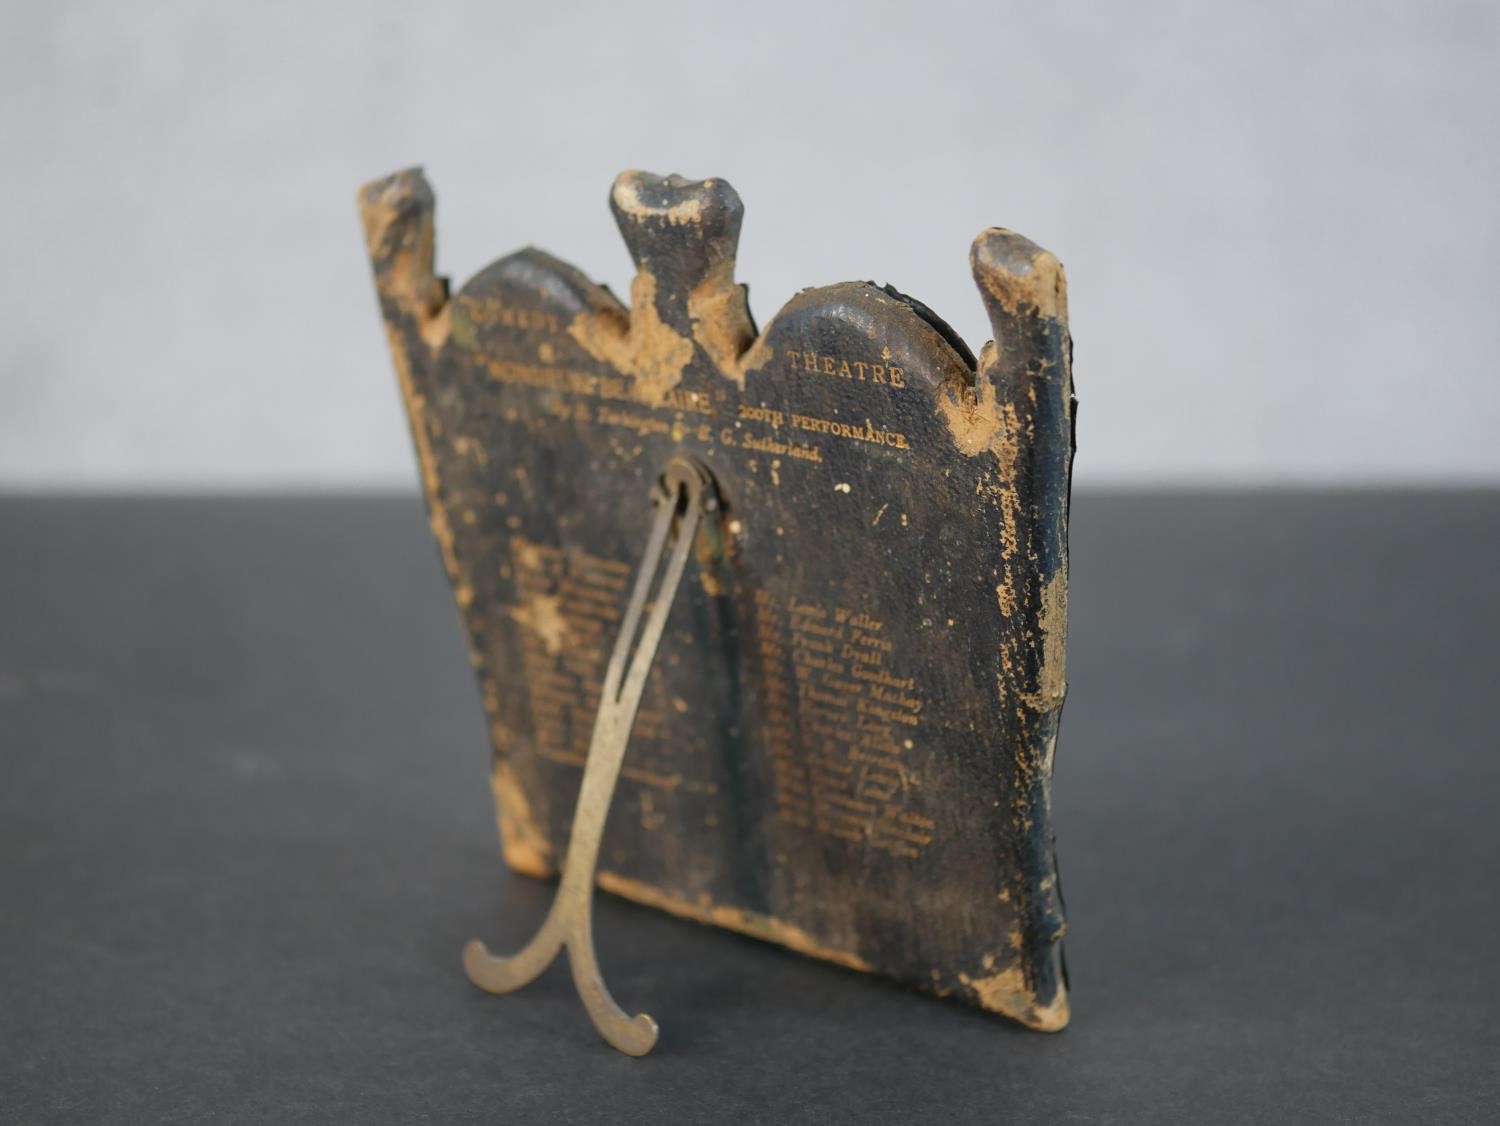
683,494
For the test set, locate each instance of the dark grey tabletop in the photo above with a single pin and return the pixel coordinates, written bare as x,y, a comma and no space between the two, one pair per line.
245,829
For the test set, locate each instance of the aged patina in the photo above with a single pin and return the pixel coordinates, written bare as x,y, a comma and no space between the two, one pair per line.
846,740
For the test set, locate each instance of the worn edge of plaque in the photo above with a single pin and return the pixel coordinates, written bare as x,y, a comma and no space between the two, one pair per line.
1024,291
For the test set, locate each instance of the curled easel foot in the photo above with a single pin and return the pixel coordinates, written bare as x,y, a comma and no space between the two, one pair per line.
635,1036
683,494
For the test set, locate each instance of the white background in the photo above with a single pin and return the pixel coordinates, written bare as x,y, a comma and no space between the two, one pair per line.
1278,219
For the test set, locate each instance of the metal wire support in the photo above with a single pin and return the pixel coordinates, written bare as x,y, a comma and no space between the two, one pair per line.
682,494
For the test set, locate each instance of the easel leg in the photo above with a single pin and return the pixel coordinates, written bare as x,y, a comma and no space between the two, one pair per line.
680,501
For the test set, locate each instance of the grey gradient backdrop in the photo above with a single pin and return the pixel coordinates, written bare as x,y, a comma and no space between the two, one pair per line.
1278,218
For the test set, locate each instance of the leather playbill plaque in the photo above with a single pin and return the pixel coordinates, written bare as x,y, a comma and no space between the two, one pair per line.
845,745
